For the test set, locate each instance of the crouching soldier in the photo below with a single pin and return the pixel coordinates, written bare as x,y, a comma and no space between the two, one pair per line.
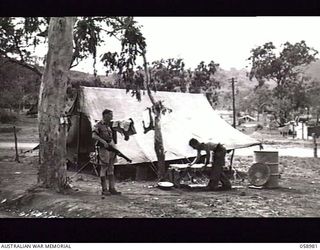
217,160
105,137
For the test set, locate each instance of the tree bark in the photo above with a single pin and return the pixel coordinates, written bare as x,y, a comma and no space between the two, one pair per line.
52,104
158,146
158,141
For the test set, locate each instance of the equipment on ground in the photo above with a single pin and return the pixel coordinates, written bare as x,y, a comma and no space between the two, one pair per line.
165,185
259,174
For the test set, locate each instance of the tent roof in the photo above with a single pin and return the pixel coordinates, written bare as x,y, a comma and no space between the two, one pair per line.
192,117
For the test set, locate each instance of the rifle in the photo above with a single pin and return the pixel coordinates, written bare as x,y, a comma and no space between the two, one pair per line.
111,148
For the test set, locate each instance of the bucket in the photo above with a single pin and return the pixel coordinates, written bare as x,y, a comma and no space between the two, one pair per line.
271,159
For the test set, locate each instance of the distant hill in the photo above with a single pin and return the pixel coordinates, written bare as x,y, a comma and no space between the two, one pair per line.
19,85
242,81
13,76
244,86
81,76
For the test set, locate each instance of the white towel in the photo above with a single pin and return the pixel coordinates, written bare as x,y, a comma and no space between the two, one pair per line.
123,124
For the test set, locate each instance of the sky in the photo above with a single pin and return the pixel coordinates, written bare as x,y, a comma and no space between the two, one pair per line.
225,40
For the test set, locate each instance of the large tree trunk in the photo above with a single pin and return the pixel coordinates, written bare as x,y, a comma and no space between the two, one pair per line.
52,104
158,141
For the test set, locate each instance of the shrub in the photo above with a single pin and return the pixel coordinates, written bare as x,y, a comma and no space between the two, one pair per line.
7,117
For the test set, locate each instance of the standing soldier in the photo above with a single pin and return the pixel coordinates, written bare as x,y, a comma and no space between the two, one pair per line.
106,137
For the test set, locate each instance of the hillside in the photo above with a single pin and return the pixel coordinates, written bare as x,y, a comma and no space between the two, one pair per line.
85,77
313,70
22,84
19,86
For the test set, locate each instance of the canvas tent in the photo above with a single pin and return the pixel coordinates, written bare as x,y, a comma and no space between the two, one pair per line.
191,117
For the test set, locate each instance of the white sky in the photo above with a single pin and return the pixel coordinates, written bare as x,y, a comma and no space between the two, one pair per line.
226,40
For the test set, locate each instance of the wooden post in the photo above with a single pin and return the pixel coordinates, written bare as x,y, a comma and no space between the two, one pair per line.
315,154
234,118
233,104
293,131
16,144
302,130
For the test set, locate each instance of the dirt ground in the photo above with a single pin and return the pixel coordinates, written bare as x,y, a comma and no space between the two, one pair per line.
20,197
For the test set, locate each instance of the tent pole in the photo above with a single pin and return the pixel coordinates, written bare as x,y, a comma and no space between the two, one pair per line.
231,160
79,136
79,127
153,168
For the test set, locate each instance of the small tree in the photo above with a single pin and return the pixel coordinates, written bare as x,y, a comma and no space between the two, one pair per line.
258,99
168,75
136,82
203,81
284,69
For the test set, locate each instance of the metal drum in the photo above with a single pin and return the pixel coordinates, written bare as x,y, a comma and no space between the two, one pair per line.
271,159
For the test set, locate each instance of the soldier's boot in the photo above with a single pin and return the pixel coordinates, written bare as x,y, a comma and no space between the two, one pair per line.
112,189
213,185
226,184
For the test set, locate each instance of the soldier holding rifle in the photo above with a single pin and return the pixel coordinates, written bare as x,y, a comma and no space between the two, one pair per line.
106,140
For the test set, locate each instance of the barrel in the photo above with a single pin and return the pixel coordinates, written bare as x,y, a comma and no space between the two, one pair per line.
271,159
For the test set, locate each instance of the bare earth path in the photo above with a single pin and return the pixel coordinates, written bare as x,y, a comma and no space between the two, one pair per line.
298,196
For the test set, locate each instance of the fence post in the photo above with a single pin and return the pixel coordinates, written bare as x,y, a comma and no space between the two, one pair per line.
16,144
293,131
315,154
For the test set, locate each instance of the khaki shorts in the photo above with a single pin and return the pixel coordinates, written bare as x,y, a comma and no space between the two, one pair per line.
107,159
